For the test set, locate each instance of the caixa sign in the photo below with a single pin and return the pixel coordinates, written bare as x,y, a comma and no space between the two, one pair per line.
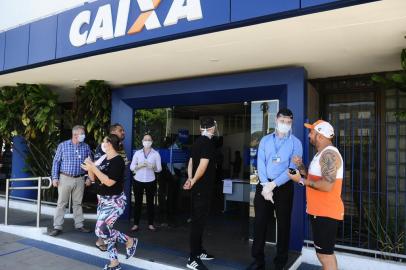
103,26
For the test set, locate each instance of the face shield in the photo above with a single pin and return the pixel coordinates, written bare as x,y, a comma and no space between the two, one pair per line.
210,132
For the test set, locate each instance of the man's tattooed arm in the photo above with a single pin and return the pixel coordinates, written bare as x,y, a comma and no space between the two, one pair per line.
329,162
302,169
300,166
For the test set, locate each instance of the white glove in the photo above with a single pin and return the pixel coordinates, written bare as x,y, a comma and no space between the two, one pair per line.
140,165
267,195
267,191
269,187
150,165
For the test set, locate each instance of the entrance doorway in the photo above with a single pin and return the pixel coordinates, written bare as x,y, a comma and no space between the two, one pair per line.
228,241
174,130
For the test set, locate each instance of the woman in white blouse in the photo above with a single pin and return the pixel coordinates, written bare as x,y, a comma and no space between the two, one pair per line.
145,163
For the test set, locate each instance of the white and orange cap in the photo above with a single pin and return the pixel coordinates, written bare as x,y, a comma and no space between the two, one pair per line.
322,127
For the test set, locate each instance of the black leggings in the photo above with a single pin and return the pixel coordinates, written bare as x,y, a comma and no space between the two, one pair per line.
150,190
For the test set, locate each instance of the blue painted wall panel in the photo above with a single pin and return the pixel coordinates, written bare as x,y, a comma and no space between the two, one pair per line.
119,109
17,41
18,167
309,3
243,9
2,47
215,12
43,40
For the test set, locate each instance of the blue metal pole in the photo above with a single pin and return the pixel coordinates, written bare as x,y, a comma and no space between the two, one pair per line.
369,178
352,174
360,181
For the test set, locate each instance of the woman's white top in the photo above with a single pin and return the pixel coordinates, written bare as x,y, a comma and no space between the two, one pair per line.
153,161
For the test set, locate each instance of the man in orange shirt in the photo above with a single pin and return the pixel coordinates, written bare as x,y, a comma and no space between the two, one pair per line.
323,184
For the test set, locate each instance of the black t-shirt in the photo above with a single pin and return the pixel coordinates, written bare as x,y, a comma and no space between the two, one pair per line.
98,153
204,148
114,169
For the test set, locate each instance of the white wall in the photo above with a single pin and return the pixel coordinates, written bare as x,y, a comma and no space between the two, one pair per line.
17,12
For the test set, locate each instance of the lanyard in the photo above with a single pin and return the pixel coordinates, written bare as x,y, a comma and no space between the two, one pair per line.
76,149
146,156
276,151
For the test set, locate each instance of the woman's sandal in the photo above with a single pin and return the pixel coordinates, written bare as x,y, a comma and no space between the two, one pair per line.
131,251
117,267
102,248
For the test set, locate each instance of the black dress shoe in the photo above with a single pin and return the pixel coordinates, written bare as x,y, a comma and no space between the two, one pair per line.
256,266
279,266
55,232
83,230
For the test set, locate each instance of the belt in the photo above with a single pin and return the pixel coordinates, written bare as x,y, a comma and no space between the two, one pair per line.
72,176
260,185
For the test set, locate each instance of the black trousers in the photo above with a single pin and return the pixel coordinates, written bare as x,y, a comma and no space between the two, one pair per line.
150,190
283,198
200,204
168,197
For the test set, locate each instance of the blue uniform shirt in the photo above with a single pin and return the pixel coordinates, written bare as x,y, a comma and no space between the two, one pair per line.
275,157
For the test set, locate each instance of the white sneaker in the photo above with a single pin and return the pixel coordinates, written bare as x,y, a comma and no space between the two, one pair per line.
196,264
206,257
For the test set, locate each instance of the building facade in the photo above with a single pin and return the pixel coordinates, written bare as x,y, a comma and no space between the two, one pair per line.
240,61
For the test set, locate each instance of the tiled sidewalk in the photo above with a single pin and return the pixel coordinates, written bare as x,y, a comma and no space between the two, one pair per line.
167,246
27,254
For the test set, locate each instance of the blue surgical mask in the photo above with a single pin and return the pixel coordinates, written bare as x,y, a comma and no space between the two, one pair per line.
81,137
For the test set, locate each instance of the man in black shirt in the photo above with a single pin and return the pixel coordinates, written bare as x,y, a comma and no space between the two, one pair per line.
201,176
116,129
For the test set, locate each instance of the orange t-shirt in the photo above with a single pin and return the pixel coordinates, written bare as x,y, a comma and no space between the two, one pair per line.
321,203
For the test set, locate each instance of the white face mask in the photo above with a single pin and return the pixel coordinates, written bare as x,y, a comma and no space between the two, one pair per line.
147,144
207,134
283,128
103,147
81,137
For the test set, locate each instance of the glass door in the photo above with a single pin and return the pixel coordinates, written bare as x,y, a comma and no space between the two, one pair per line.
263,115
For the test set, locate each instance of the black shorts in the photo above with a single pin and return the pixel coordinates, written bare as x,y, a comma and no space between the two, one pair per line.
324,234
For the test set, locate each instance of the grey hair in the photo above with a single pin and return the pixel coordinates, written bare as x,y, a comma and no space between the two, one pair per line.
77,127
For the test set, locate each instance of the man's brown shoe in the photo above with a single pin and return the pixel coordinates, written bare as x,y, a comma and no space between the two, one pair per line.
55,232
83,230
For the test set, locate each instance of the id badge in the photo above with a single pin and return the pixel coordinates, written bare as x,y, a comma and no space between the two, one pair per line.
276,159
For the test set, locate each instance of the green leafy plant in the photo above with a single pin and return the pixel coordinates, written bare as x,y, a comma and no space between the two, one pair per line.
92,108
395,80
31,111
11,105
149,121
388,238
